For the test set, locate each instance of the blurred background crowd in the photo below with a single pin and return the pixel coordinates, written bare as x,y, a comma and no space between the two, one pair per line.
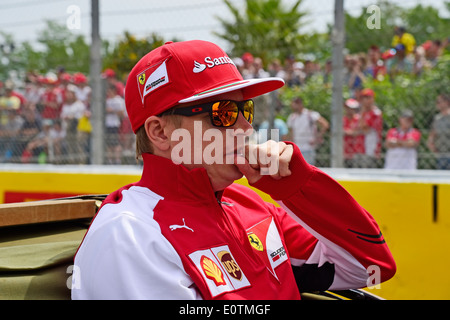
396,89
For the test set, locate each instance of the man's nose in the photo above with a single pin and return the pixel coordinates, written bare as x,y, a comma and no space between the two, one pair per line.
242,123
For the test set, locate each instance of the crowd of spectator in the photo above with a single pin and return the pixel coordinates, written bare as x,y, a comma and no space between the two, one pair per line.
364,140
49,119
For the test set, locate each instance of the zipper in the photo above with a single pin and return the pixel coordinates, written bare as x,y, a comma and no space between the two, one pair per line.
227,219
250,256
225,203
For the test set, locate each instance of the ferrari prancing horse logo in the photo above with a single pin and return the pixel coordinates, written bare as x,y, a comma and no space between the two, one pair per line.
142,78
255,242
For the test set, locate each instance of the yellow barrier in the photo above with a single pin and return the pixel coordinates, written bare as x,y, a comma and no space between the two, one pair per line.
414,218
417,231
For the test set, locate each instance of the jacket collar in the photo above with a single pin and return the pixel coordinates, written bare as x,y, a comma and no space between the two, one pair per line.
175,181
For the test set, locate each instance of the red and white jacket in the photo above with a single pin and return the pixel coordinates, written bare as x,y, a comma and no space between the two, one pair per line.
169,236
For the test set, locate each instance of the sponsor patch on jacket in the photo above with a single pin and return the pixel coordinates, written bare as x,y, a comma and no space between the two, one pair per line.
266,241
219,269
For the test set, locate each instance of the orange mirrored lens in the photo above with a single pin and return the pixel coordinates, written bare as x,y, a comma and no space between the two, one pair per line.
224,113
249,111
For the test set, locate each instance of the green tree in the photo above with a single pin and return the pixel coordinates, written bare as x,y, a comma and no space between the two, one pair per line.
266,28
359,37
423,22
127,52
63,48
58,47
8,55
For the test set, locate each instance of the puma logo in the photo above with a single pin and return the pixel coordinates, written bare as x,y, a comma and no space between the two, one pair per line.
177,226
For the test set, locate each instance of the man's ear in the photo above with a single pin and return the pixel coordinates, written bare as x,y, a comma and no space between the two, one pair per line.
157,132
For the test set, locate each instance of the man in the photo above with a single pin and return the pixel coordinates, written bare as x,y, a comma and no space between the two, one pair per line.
306,129
11,98
401,63
439,138
404,38
72,111
186,231
371,124
31,126
433,52
353,137
402,143
111,79
376,67
114,112
83,89
51,98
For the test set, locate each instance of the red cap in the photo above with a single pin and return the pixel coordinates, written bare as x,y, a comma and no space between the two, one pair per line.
367,92
108,73
427,45
247,57
66,76
79,78
182,72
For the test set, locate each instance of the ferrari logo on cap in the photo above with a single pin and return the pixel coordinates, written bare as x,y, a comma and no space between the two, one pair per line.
152,79
142,78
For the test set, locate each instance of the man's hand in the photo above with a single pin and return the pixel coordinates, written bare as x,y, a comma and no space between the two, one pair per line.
270,158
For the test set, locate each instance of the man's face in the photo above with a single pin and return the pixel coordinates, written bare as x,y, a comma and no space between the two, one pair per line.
442,104
374,55
405,122
297,106
196,143
366,102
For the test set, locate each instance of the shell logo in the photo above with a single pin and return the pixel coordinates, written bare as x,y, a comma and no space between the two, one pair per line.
212,271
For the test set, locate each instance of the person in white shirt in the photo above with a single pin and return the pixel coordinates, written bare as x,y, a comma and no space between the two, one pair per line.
115,110
306,129
71,112
83,90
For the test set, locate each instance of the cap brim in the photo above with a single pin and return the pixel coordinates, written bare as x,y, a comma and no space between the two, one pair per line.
250,87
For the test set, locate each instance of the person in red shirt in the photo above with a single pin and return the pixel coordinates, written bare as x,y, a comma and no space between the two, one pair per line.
402,143
111,78
186,230
353,137
376,67
51,99
371,124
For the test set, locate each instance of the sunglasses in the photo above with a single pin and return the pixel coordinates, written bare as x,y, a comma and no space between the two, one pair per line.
222,113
